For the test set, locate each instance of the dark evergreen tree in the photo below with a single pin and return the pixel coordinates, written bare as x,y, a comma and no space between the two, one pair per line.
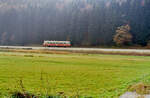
84,22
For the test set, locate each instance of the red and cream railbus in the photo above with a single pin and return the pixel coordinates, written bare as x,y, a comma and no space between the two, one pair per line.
57,44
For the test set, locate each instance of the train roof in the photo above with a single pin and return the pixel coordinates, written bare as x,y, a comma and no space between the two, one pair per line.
66,42
55,41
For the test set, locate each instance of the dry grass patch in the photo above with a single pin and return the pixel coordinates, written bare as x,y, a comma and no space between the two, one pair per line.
28,55
112,53
140,88
37,51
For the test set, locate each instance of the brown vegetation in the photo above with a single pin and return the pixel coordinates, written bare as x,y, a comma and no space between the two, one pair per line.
123,37
36,51
140,88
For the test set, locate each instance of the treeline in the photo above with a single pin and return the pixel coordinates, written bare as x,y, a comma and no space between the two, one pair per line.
83,22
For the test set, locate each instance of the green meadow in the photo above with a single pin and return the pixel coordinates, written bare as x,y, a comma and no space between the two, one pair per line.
86,75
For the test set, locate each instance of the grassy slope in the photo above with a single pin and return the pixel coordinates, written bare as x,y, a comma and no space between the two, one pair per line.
88,75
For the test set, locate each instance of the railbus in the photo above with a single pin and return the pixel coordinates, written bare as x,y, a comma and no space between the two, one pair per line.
47,43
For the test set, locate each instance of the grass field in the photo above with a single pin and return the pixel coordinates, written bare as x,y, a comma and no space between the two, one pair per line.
90,75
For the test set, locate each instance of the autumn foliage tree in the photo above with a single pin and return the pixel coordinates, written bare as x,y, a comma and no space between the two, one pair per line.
123,37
